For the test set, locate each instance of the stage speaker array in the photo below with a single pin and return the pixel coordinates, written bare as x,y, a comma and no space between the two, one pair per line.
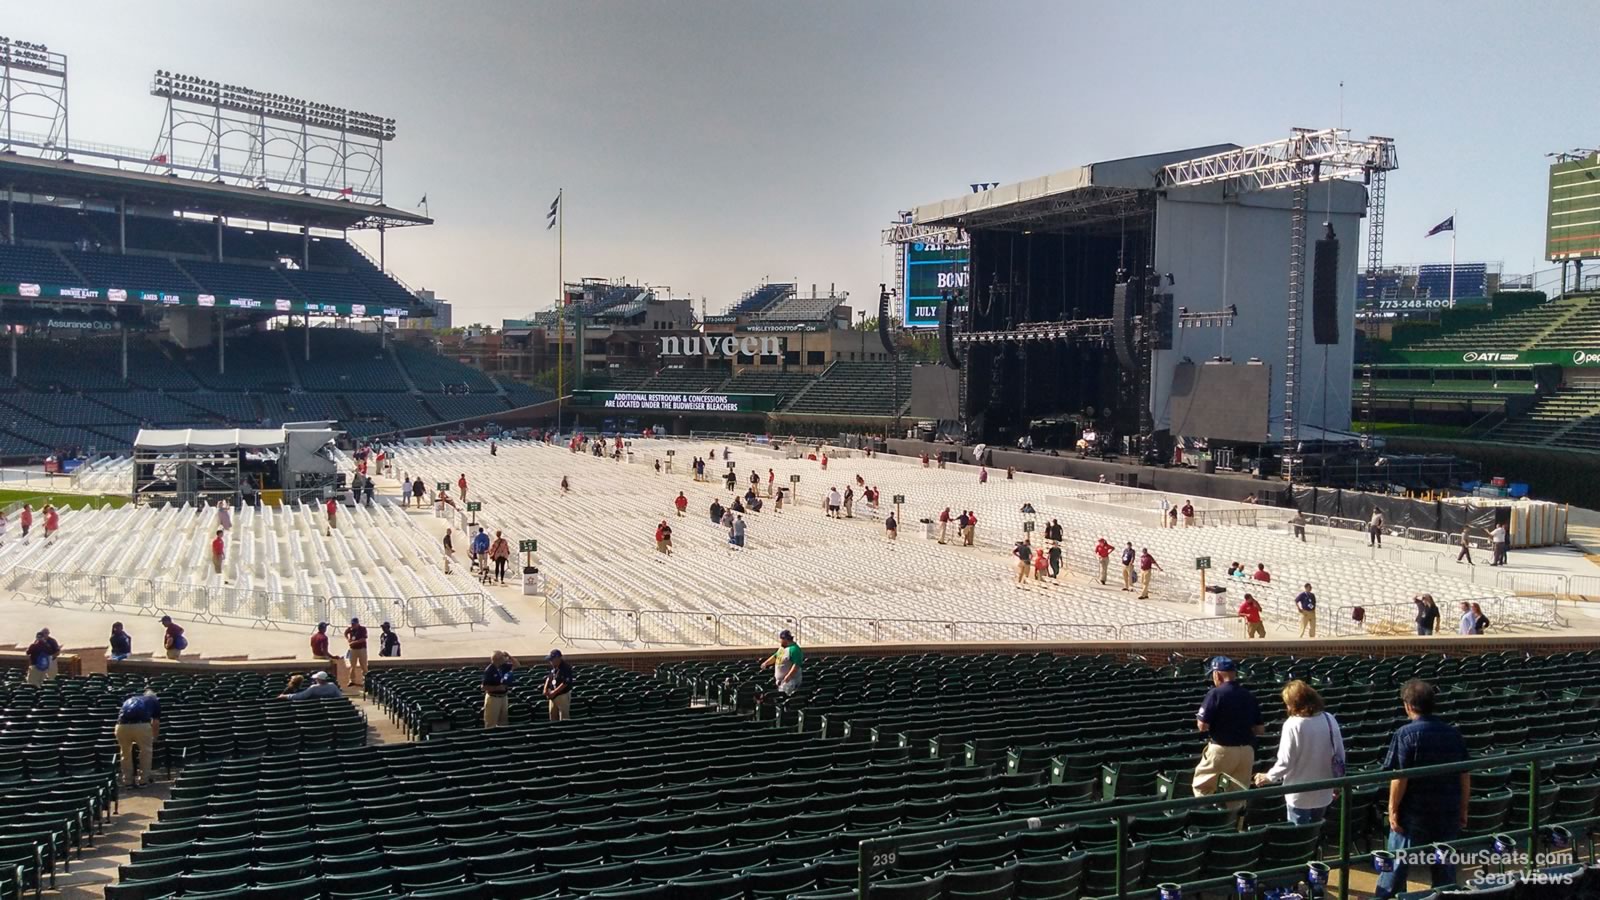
947,344
1162,316
1325,290
1124,299
883,324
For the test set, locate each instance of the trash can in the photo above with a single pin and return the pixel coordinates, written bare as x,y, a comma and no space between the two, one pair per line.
930,529
533,582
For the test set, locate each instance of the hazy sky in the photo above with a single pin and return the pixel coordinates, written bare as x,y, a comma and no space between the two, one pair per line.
709,145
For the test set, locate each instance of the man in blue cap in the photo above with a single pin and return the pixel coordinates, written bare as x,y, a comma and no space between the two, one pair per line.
1231,720
558,687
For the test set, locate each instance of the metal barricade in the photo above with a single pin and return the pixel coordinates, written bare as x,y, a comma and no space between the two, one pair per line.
994,631
839,630
596,623
915,631
745,629
343,608
1549,584
661,626
1583,586
1052,631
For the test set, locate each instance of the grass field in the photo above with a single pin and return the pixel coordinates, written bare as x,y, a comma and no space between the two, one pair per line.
62,501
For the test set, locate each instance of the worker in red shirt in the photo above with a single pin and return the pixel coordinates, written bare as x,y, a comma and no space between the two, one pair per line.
356,637
681,503
1261,573
1250,612
1102,549
27,520
218,547
319,651
944,523
333,515
52,521
461,484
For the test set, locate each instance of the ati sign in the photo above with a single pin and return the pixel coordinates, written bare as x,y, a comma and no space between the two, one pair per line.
698,345
1585,358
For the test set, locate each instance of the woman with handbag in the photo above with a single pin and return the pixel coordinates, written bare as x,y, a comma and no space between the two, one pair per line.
1310,748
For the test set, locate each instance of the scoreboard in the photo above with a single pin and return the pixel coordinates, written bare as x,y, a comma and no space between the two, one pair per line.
1573,230
934,269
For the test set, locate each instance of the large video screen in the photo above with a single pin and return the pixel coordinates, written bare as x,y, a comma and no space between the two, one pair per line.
933,269
1574,221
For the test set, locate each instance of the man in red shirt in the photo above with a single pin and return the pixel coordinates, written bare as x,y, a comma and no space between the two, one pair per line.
1103,549
217,550
52,521
1261,573
319,651
27,519
333,516
944,523
1146,564
1250,612
970,532
461,483
173,642
682,503
356,637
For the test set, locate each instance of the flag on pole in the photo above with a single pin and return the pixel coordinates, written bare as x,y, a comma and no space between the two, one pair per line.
423,201
159,158
550,217
1447,225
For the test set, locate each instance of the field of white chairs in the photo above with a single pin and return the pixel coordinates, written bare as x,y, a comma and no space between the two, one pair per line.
844,582
279,567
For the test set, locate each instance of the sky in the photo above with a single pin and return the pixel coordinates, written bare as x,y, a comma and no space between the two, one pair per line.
709,145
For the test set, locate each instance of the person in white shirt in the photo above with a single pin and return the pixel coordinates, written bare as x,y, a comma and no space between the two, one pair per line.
1500,541
1310,748
1469,622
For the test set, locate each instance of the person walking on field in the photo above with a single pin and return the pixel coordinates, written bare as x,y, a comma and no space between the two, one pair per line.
681,503
1466,546
891,527
1375,529
1129,557
1146,564
461,485
418,491
664,538
356,637
1102,552
1230,718
1040,564
1250,612
970,533
944,523
500,551
1500,542
1024,555
218,548
1055,560
1306,602
333,516
26,521
52,521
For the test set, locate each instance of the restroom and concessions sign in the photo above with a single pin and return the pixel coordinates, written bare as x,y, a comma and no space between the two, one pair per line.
650,401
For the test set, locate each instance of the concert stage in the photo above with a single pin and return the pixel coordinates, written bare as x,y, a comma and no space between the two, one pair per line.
1132,295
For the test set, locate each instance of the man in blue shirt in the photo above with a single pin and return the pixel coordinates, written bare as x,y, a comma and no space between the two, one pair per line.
138,722
497,679
1230,717
558,687
320,687
1307,603
1428,809
480,549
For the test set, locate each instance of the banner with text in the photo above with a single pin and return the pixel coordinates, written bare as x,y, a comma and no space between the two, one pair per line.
1580,358
649,401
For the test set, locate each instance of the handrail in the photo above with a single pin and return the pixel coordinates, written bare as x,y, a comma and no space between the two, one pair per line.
876,854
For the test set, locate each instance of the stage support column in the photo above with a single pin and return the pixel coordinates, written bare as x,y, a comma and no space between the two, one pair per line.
122,232
11,218
305,245
308,337
13,351
124,353
218,220
222,345
382,265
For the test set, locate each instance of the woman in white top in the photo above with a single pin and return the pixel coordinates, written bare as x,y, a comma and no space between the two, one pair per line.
1310,748
1469,622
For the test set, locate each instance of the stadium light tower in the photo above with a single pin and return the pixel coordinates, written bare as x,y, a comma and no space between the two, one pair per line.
316,148
1306,157
33,97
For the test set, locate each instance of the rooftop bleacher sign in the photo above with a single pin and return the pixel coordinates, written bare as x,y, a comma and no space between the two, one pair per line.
648,401
161,298
703,345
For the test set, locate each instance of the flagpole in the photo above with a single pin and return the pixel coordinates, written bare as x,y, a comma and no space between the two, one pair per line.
1452,259
561,303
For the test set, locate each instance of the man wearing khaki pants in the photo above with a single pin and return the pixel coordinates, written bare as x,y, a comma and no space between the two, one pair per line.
356,637
497,680
1231,720
558,687
137,725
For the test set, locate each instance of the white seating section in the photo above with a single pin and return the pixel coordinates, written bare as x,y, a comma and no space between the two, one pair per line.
844,578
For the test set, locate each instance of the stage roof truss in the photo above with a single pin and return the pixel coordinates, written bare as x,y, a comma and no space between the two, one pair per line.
1305,157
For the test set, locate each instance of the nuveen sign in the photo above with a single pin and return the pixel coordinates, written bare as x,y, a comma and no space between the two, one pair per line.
696,345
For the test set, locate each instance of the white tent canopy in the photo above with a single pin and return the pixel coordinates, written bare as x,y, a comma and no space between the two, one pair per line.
178,439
